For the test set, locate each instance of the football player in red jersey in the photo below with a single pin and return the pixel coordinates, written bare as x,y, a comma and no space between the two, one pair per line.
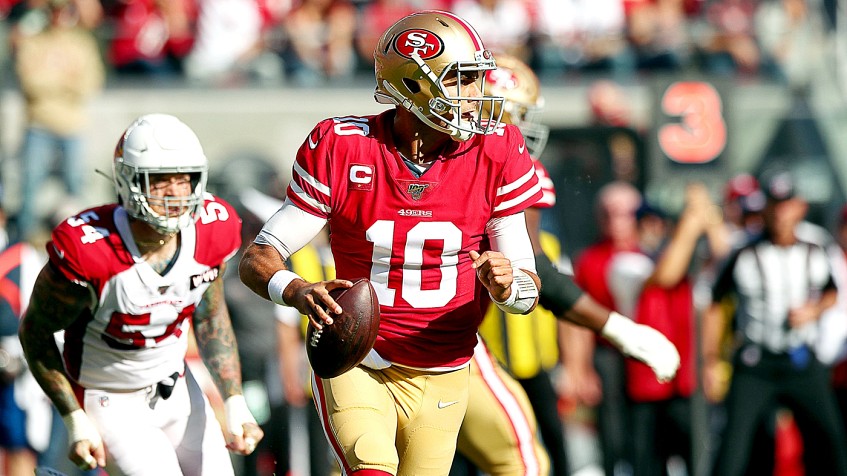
124,282
498,434
426,201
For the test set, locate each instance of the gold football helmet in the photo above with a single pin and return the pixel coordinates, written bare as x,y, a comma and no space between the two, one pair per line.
516,82
414,57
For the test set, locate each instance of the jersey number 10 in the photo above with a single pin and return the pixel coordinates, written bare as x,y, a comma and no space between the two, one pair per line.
381,234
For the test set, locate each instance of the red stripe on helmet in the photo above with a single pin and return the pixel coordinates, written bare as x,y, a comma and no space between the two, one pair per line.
477,41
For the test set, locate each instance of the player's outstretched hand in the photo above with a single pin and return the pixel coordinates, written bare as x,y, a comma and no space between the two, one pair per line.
494,272
243,433
643,343
313,300
86,448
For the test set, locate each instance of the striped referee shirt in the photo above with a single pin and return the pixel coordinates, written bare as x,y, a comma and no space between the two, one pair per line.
768,281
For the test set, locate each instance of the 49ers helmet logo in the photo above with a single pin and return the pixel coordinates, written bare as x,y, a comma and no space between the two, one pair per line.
502,78
423,43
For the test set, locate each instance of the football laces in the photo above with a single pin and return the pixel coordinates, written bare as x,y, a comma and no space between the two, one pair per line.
316,336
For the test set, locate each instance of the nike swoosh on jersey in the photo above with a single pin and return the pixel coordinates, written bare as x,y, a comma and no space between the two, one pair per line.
446,404
313,143
59,253
521,148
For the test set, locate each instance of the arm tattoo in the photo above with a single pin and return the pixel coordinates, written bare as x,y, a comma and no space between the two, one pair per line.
55,304
216,339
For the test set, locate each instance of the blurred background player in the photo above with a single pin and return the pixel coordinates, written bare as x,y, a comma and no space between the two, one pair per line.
597,369
499,431
125,281
636,269
274,367
25,412
253,317
655,285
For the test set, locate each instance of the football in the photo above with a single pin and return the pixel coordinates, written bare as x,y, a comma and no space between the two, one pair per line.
339,347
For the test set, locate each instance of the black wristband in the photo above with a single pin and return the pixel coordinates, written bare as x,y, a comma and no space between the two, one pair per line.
559,292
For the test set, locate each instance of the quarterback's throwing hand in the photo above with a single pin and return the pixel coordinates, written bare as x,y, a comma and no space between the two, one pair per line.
643,343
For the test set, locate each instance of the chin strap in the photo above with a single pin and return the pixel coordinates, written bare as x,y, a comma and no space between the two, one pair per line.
394,97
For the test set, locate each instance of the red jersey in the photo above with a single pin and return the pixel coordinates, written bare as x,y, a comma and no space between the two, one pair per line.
135,331
411,235
591,271
671,312
548,191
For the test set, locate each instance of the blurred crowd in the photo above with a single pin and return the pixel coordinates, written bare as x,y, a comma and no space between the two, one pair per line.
312,42
65,50
744,285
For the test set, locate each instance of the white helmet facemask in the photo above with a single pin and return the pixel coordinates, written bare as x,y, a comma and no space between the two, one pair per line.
527,119
158,144
177,212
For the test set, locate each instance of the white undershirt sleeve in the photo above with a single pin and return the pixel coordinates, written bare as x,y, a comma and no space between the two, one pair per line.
290,229
509,236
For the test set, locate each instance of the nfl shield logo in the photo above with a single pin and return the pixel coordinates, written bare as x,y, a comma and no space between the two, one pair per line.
103,401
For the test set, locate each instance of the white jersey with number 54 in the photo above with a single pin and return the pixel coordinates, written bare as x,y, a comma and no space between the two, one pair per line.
134,332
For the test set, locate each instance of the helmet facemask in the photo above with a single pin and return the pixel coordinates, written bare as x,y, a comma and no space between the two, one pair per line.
527,118
175,213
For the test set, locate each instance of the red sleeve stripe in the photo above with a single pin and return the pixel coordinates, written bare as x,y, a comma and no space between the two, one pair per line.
301,172
531,191
308,198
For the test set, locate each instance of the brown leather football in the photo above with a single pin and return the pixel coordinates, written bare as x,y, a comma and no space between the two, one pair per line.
339,347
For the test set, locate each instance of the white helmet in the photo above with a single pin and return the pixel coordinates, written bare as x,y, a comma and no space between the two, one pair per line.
159,144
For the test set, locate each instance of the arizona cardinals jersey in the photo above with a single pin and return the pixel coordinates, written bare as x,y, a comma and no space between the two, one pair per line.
134,332
411,235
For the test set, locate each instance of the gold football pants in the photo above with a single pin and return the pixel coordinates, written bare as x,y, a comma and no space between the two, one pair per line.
399,420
